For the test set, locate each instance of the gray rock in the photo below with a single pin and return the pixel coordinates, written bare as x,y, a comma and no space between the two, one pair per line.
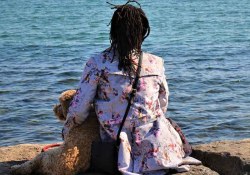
194,170
199,170
13,155
225,157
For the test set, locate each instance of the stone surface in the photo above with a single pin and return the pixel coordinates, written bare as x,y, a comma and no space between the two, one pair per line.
198,170
18,154
225,157
13,155
194,170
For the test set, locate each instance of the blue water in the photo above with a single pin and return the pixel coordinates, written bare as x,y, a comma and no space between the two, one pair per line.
44,45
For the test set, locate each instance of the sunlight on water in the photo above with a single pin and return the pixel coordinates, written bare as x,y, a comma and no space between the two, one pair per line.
206,46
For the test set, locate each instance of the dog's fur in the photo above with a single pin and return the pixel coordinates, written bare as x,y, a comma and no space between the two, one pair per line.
73,155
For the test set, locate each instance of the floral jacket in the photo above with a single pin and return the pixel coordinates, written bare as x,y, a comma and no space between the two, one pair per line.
103,84
150,143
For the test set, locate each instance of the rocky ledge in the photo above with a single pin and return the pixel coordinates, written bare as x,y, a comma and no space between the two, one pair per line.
225,157
222,157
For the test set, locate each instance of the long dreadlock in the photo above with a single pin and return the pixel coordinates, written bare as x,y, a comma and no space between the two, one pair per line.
129,28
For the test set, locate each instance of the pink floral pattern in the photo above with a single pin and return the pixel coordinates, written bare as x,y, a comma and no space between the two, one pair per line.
150,143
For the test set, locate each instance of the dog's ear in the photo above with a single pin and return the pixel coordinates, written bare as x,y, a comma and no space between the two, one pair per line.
65,100
59,112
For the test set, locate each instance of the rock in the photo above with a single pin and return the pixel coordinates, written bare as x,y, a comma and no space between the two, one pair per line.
225,157
13,155
195,170
199,170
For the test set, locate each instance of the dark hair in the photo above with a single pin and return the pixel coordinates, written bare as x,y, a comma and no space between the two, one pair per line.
129,28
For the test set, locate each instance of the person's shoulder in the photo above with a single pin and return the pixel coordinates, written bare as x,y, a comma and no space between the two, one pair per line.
153,59
103,57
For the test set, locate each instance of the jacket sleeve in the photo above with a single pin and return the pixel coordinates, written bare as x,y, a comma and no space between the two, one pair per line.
84,97
163,92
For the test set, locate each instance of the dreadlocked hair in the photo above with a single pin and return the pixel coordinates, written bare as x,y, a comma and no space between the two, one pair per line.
129,28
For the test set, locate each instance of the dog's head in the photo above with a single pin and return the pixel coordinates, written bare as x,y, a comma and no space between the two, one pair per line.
61,110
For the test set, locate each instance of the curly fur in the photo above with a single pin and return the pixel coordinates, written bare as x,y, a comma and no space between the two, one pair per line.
61,110
58,111
73,155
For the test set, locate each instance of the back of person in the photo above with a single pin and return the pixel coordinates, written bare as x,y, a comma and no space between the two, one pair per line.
114,87
150,143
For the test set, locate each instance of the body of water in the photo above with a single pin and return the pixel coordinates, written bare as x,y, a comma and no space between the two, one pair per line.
44,45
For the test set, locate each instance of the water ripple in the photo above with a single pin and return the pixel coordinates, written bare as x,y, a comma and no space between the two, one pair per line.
205,45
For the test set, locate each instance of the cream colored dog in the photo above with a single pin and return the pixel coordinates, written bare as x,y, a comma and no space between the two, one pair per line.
73,155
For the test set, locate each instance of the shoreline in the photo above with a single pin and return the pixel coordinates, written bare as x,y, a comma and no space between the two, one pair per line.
220,157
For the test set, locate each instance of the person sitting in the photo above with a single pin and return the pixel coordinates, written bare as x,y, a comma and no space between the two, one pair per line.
150,143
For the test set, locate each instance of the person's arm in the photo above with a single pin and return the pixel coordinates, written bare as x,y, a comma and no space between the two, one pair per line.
84,96
163,92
